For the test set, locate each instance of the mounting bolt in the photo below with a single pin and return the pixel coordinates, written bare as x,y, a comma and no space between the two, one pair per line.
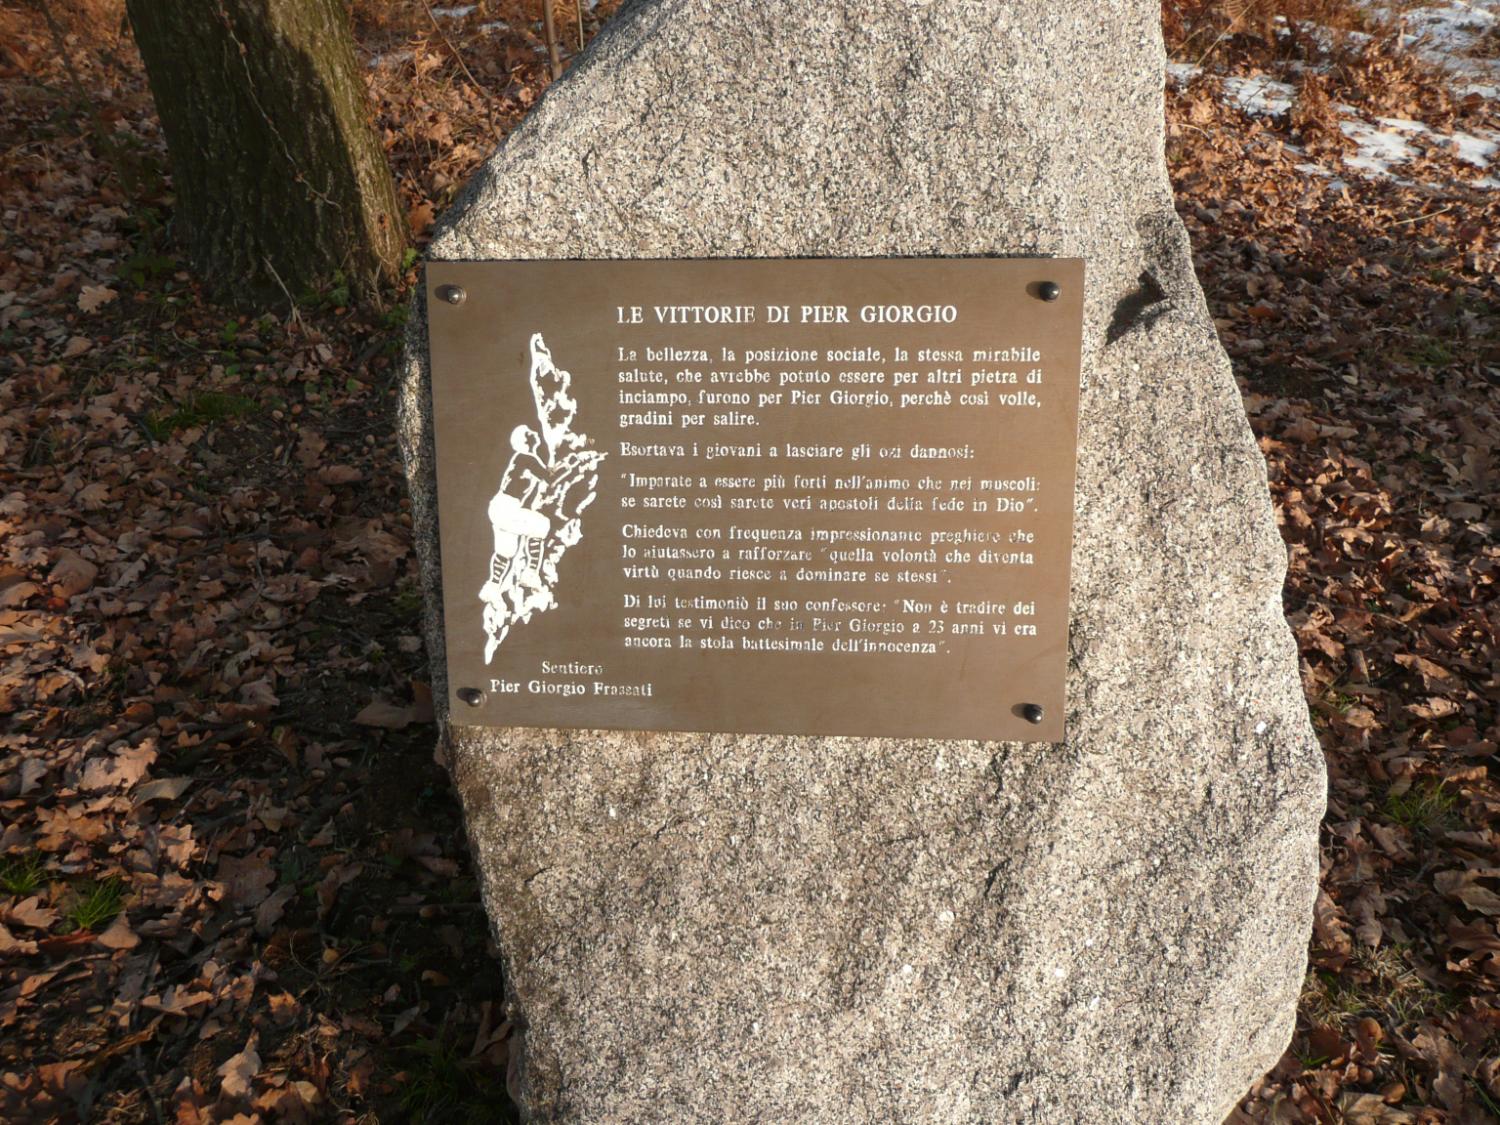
1048,291
471,695
1032,713
453,294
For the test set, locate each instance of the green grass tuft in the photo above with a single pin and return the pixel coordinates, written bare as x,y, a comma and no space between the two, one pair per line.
441,1088
96,903
1382,983
23,874
1425,807
201,409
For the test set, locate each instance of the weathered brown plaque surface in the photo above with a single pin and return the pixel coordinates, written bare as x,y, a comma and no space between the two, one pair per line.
797,497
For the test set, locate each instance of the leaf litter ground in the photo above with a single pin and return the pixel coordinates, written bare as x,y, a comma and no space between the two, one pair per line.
233,882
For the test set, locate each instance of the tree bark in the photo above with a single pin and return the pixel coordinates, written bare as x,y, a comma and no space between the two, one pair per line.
281,184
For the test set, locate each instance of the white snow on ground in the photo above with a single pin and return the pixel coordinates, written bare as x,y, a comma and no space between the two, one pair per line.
1448,34
1444,34
388,58
1262,96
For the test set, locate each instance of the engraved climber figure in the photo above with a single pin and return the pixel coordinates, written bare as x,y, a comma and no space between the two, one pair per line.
534,515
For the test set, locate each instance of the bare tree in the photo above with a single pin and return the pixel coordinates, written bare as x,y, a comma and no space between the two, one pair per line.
281,183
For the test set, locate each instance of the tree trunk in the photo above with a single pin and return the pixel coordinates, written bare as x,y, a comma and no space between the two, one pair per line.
281,185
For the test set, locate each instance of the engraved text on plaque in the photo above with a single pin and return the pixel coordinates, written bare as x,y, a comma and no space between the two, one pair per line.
801,497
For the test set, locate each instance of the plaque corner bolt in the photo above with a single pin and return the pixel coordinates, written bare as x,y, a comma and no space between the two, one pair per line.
1049,290
471,695
1032,713
452,294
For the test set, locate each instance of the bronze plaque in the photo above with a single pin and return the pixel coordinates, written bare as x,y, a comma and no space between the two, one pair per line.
786,497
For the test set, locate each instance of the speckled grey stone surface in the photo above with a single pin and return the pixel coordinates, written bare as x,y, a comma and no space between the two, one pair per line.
706,928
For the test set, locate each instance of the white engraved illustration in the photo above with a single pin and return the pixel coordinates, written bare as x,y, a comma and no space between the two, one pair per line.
547,484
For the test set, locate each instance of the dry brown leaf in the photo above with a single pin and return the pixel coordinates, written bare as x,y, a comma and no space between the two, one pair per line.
339,474
310,447
10,944
29,912
284,1007
123,769
177,1001
269,912
71,574
1436,707
1465,886
337,878
119,935
239,1069
1434,676
162,789
17,593
387,715
247,878
32,772
92,298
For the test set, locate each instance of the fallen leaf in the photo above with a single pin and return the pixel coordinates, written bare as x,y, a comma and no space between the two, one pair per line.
10,944
239,1069
387,715
420,216
32,772
67,1078
333,882
340,474
162,789
248,878
29,912
284,1007
1465,886
17,593
177,1001
71,574
310,446
92,298
269,912
119,935
123,769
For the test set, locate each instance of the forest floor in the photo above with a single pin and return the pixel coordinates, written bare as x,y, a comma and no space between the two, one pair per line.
234,884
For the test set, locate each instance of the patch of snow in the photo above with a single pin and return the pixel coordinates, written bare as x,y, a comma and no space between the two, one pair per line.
388,58
455,13
1454,27
1380,146
1478,150
1264,97
1379,150
1447,34
1471,148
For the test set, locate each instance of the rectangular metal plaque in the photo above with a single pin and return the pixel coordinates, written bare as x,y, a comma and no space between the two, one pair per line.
753,496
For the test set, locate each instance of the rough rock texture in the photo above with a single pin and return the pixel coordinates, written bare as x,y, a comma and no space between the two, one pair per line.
755,929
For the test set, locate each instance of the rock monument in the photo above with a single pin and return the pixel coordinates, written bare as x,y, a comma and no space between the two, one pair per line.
755,928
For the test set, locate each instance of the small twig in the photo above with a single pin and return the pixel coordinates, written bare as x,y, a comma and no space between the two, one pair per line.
1429,215
580,23
549,24
140,1071
1211,48
443,35
436,907
296,315
60,43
